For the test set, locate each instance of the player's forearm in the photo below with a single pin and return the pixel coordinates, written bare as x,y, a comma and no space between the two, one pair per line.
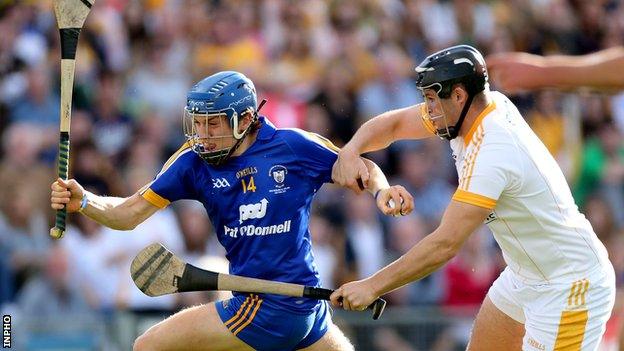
421,260
377,180
113,212
599,70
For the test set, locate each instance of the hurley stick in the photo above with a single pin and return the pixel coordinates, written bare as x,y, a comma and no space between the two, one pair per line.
156,271
70,17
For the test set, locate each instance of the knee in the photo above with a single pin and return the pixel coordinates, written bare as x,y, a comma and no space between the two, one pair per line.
145,342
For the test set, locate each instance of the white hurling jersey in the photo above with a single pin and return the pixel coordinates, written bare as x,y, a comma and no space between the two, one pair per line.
503,166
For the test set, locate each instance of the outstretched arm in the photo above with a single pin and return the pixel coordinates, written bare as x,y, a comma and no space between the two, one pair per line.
113,212
388,127
119,213
520,71
458,222
377,134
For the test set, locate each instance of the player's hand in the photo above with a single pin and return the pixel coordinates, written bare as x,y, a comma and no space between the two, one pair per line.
395,201
356,296
515,71
348,168
66,192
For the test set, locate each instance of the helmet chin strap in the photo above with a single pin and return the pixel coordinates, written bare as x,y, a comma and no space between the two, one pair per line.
453,131
240,136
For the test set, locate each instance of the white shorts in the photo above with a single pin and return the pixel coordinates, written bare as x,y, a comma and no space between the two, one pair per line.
567,316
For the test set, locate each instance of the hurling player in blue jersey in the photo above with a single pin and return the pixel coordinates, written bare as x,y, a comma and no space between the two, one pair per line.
256,183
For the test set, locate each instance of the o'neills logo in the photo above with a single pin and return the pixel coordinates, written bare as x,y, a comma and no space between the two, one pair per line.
251,230
246,171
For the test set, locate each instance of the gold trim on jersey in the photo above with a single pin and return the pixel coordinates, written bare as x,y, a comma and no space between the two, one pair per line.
173,157
474,199
468,167
323,141
155,199
149,194
489,108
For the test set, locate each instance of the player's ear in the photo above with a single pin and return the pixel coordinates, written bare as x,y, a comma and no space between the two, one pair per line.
459,94
244,122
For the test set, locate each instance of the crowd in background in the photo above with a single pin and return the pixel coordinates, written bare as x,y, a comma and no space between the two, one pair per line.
323,65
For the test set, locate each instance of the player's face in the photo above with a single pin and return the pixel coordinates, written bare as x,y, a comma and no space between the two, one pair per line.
213,132
439,111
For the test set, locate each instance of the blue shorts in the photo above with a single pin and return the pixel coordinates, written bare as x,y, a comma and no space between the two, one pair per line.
265,326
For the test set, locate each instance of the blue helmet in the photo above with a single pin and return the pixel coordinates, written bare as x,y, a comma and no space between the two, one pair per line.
230,94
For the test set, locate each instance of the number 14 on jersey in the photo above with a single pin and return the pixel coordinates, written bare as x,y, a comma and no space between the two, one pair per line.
251,186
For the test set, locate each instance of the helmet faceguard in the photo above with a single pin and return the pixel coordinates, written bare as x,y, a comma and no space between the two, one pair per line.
440,118
444,69
225,96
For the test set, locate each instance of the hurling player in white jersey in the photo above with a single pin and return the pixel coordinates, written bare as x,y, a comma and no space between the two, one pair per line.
558,289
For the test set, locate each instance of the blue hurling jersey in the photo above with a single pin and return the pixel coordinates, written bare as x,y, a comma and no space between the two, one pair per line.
258,202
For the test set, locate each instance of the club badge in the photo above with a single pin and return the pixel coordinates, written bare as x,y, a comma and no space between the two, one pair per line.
278,173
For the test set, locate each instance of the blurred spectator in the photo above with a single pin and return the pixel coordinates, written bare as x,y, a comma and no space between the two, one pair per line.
468,278
601,216
547,122
22,145
296,62
317,121
197,232
353,38
602,169
431,193
325,253
155,87
92,262
595,113
450,22
414,38
112,128
54,293
110,28
81,127
392,89
38,105
337,96
387,339
285,109
404,233
144,156
227,42
365,234
23,233
95,170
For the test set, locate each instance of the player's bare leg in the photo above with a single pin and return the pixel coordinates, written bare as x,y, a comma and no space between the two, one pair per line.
333,340
493,328
193,329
